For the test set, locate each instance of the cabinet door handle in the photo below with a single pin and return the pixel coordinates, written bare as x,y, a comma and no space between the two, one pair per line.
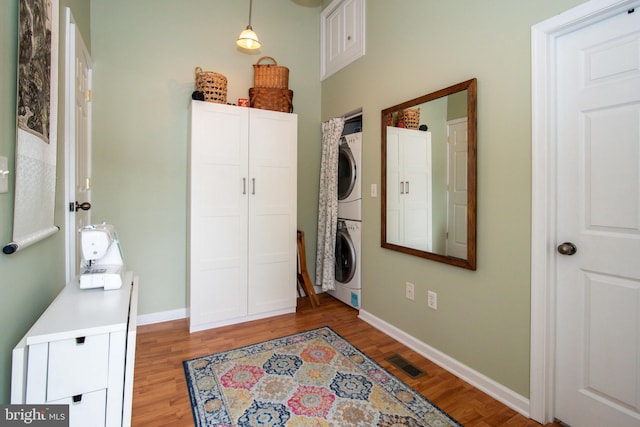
407,190
77,398
253,182
244,185
80,340
401,187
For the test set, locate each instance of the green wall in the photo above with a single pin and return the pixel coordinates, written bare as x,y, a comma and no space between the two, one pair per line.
414,47
29,279
144,55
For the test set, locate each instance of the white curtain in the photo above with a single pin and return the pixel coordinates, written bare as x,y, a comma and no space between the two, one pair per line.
328,203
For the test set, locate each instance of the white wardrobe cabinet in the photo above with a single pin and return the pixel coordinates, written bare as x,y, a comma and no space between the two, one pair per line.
409,188
242,190
81,352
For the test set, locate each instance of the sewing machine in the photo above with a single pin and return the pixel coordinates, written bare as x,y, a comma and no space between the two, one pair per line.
102,261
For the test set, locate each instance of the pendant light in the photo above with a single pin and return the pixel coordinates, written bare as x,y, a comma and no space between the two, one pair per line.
248,39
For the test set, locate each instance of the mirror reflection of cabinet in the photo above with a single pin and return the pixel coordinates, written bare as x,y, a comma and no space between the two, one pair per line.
430,210
409,187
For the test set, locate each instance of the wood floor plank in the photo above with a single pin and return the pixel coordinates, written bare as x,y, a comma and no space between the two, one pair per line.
160,396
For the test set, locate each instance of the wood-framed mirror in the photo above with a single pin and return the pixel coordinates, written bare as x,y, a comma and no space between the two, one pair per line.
429,178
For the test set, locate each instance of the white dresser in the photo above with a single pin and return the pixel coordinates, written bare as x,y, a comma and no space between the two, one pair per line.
81,352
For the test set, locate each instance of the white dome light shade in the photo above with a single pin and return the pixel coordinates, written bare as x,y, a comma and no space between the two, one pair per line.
248,39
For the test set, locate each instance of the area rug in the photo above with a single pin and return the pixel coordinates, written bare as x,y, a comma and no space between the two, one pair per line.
311,379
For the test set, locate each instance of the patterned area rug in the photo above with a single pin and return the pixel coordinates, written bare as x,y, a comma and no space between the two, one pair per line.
314,378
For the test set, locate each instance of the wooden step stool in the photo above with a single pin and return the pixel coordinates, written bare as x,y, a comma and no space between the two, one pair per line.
304,281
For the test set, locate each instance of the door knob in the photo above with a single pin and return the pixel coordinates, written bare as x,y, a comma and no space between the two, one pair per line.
567,248
84,206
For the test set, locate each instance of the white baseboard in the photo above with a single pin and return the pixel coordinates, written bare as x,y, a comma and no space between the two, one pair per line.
496,390
161,316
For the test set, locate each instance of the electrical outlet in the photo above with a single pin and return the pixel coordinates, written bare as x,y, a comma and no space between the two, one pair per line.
409,291
432,300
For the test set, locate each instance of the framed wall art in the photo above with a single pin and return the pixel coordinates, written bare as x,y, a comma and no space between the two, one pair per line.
37,116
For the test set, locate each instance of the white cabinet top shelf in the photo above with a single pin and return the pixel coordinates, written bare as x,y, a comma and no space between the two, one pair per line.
81,312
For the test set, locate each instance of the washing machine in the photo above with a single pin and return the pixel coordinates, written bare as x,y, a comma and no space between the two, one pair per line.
350,177
348,266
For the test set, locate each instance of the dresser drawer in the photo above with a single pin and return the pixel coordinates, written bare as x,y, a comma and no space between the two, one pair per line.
77,366
86,410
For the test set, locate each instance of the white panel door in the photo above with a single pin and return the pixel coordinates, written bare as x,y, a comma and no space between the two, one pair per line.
218,212
78,140
272,211
598,288
457,183
82,132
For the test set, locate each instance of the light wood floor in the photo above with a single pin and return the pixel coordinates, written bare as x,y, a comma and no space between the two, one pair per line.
160,396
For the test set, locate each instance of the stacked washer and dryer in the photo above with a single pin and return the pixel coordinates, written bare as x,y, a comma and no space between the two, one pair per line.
348,237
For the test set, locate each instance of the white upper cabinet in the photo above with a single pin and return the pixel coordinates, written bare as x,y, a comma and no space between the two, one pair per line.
342,35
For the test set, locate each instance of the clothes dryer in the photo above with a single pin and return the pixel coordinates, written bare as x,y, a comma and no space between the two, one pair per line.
350,177
348,267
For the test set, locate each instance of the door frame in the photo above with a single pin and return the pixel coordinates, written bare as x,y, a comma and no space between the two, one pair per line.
544,39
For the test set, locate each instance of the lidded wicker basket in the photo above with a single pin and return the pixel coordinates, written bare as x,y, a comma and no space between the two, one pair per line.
410,117
213,85
270,75
271,99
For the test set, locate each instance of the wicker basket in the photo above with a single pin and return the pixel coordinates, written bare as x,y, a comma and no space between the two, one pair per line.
270,75
271,99
390,119
410,117
213,85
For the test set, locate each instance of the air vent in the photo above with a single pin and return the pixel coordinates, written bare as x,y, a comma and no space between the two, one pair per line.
403,364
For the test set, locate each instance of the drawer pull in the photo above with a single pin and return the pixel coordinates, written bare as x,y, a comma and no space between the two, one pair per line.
77,398
80,340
